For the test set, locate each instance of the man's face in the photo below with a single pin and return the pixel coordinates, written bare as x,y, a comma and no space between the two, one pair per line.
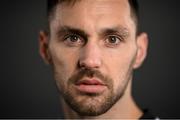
93,51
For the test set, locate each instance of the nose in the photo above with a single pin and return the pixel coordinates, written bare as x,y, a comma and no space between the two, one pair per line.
90,56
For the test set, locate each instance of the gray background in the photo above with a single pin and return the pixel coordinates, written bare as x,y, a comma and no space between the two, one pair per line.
27,88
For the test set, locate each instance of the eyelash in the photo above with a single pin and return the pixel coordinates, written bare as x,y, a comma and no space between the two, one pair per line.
67,39
117,37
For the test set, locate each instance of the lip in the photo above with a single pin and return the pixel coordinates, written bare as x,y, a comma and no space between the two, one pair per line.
90,86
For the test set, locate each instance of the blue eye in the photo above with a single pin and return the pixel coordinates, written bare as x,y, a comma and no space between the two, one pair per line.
112,40
73,40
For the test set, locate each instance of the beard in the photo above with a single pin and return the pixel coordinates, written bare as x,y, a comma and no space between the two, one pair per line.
92,104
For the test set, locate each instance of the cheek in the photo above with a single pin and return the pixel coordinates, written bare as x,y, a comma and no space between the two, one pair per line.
119,66
63,63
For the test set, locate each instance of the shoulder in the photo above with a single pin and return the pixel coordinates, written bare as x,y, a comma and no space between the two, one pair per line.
147,114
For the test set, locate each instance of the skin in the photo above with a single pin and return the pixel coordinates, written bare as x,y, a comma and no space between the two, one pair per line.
107,43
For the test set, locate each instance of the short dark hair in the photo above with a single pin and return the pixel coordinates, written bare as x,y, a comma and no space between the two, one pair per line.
51,5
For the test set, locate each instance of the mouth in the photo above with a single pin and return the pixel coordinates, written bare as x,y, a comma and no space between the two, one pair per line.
90,86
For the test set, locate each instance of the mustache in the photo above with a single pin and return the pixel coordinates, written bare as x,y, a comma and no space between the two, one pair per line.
90,73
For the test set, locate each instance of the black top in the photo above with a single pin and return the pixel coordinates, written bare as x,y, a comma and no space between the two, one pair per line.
148,115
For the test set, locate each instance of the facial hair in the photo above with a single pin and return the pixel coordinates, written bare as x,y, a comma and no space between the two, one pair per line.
91,104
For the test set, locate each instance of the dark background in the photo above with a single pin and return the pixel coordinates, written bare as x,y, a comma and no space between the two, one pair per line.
27,88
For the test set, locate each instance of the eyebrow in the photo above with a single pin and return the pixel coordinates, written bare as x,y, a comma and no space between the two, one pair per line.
122,31
68,29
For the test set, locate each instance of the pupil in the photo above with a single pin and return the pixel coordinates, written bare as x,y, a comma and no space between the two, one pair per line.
112,39
74,38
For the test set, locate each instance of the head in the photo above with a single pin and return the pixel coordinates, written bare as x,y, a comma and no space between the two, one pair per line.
93,48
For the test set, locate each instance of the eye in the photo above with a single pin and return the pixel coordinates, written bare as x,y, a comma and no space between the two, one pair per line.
73,40
112,40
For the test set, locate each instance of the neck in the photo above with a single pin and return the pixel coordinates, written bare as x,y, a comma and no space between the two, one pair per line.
125,108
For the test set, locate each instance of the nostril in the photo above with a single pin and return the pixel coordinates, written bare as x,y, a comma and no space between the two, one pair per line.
88,64
81,65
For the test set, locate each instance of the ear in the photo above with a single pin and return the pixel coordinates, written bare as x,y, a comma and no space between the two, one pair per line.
142,46
43,47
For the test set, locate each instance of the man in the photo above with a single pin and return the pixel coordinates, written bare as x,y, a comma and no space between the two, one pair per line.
93,47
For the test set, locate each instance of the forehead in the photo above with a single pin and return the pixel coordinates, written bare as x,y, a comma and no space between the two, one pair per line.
93,14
